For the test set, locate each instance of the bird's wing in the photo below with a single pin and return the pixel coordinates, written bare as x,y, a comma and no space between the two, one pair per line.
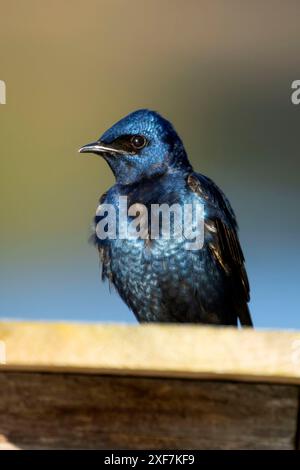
221,236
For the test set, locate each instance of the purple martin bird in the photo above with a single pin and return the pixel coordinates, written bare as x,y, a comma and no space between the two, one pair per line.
159,278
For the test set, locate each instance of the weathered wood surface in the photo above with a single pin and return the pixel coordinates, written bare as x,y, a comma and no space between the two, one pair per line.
151,386
153,350
42,410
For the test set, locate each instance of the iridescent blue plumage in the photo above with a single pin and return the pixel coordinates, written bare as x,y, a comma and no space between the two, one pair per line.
159,279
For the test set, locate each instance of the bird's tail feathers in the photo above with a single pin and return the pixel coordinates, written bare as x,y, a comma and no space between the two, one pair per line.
245,316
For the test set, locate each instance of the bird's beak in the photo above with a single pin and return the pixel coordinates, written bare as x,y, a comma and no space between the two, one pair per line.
101,148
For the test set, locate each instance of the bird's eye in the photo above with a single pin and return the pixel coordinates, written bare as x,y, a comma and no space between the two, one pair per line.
138,141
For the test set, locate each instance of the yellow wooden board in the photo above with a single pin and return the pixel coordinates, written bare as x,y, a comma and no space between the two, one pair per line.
152,350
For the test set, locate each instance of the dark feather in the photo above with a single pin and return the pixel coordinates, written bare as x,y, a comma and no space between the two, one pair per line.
224,245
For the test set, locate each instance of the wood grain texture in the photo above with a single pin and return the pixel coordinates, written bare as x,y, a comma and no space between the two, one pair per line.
153,350
42,410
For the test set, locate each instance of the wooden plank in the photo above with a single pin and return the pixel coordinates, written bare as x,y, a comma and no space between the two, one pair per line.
152,350
42,410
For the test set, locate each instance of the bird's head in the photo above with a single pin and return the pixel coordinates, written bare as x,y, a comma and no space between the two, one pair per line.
141,145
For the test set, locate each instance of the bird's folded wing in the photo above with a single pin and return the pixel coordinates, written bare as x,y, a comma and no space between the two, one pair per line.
221,236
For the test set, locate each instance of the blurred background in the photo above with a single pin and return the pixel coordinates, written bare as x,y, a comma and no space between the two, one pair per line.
220,71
